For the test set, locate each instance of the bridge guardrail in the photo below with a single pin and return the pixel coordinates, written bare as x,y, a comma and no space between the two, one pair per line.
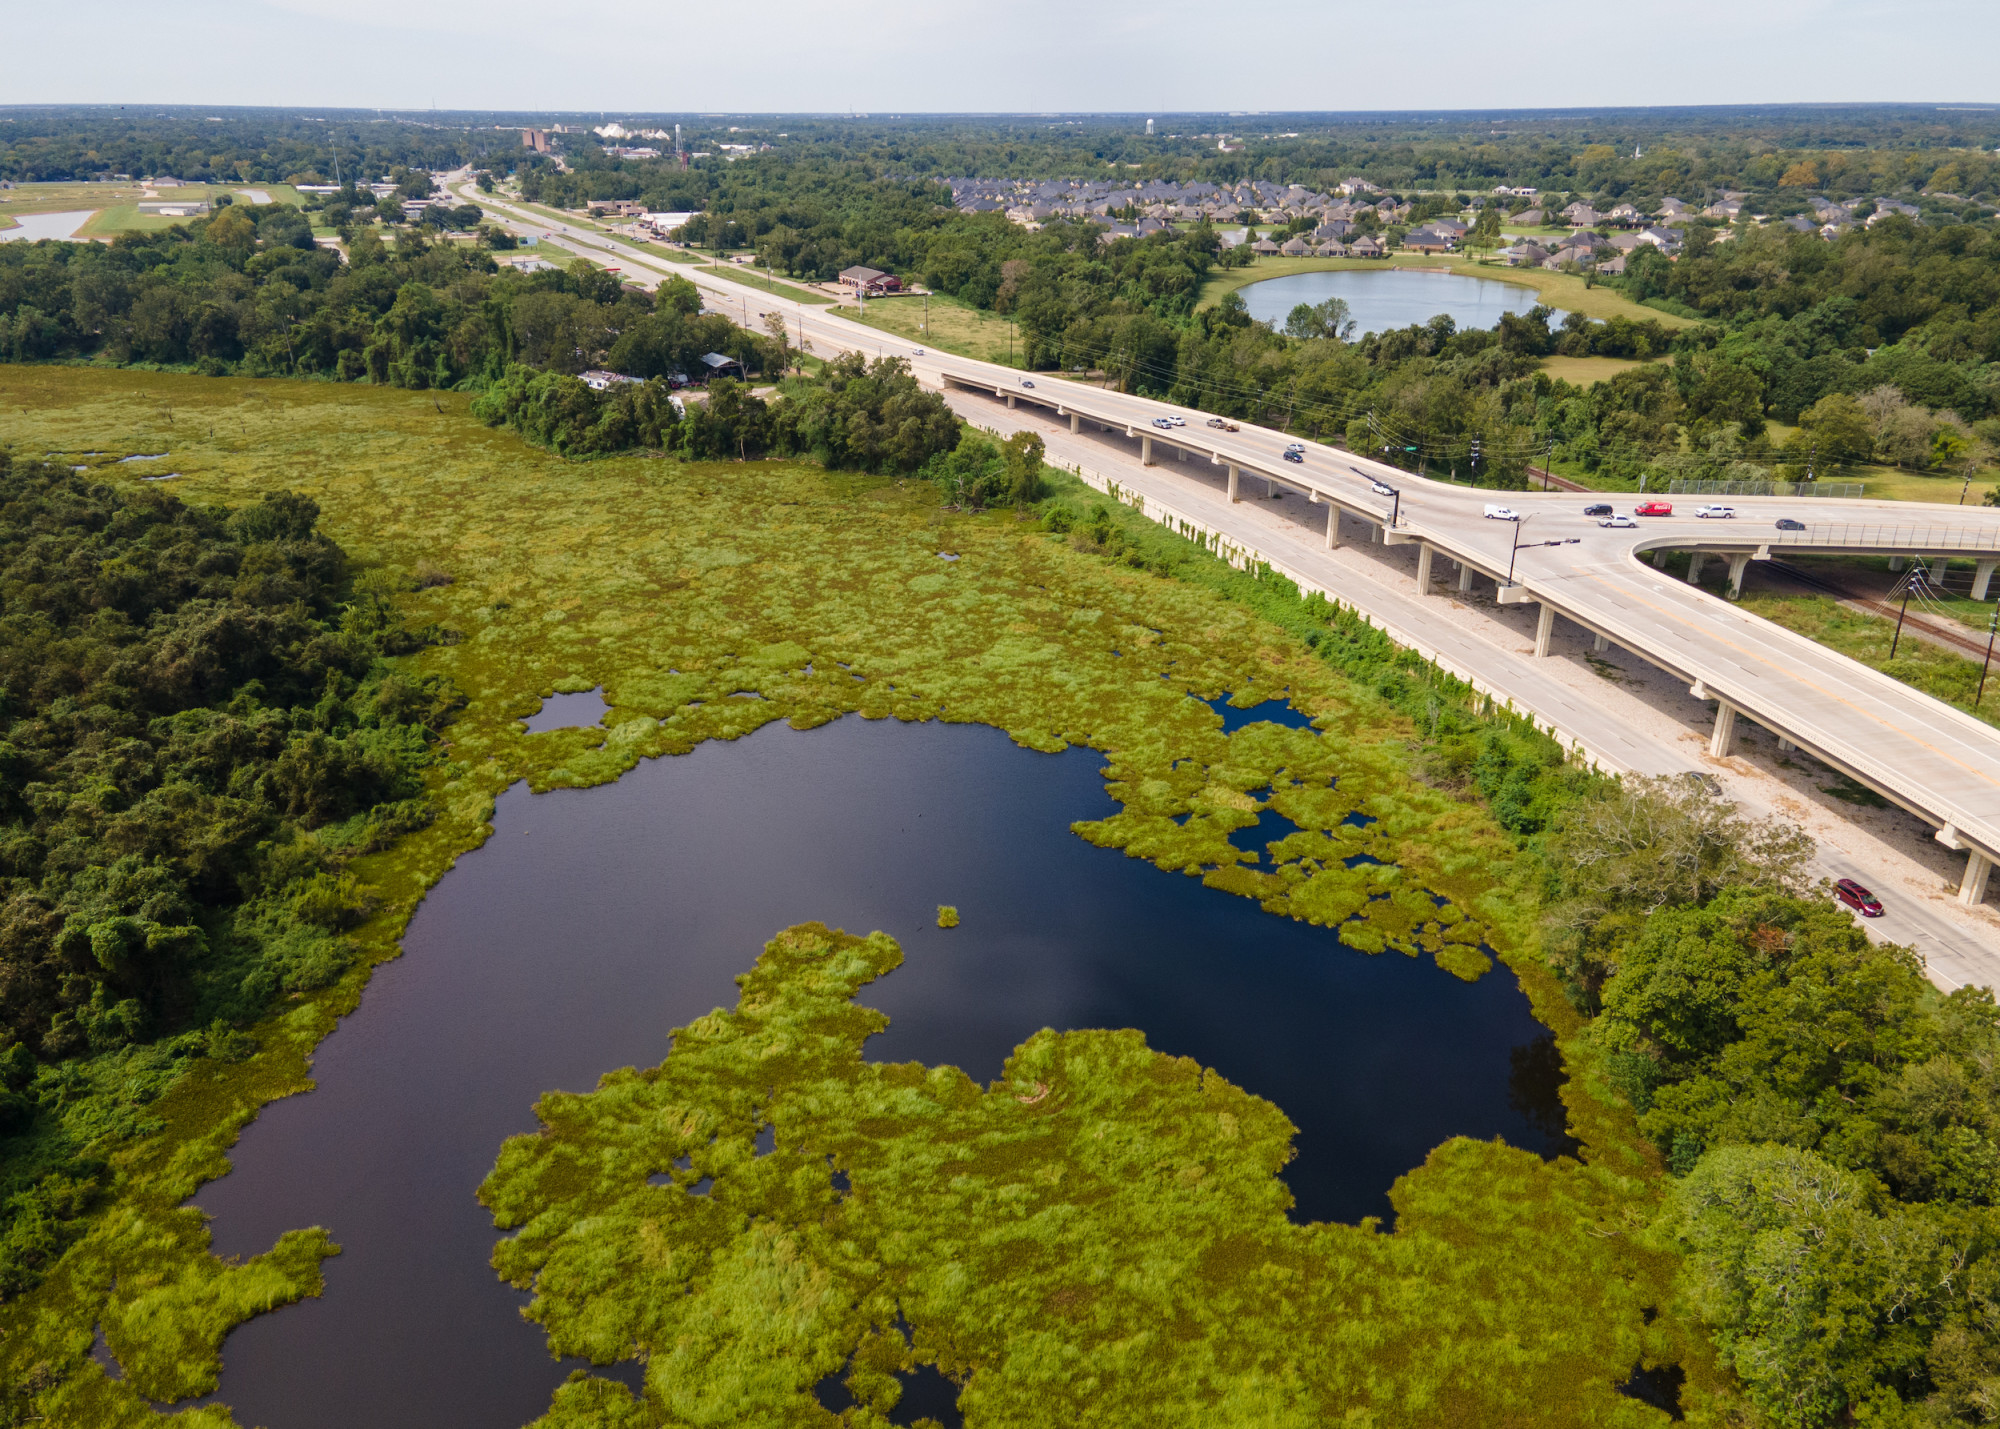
1940,539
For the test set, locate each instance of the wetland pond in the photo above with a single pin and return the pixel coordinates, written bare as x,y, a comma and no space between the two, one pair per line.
1382,299
595,921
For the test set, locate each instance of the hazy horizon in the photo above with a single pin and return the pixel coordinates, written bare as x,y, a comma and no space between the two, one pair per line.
1034,56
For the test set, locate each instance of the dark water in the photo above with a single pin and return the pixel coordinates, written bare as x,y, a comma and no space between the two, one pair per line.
569,711
595,921
1380,299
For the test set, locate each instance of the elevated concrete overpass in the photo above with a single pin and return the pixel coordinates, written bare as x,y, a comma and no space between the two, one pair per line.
1939,764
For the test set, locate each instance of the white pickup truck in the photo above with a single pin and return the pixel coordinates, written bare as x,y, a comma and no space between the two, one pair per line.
1501,513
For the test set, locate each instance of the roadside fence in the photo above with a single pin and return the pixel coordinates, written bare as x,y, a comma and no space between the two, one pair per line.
1767,488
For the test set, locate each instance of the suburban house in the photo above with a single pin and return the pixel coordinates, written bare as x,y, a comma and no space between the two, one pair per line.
869,281
1429,240
1294,247
1265,248
1581,215
1524,255
1623,215
1529,218
1366,246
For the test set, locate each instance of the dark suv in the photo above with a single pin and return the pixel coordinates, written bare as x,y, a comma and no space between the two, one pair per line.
1601,508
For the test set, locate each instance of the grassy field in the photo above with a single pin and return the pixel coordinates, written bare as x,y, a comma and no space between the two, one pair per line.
954,326
1586,371
754,277
674,586
1566,291
115,207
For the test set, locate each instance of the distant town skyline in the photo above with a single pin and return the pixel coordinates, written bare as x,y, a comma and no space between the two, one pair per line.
1032,55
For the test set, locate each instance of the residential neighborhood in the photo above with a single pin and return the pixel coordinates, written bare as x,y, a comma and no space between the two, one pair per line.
1359,219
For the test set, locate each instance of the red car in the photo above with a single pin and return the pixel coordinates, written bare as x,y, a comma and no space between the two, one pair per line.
1653,508
1857,898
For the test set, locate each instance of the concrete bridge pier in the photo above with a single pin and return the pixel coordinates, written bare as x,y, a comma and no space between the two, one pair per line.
1972,890
1982,577
1895,563
1545,629
1424,568
1010,401
1723,740
1232,485
1075,422
1599,644
1738,563
1145,448
1696,559
1660,559
1332,527
1464,576
1938,569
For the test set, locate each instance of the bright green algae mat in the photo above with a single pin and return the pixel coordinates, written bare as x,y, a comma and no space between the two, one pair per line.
1097,1238
707,601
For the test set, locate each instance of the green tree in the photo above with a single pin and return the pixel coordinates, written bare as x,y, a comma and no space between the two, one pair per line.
1329,321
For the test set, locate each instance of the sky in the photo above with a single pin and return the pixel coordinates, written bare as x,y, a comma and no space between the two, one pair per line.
904,56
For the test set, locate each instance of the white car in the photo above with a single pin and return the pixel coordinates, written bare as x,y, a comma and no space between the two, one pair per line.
1163,422
1620,523
1382,488
1178,421
1716,513
918,352
1502,513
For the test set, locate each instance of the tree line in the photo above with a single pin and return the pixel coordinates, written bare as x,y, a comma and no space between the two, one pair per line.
197,732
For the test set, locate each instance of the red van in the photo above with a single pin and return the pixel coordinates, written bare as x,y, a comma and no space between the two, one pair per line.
1653,508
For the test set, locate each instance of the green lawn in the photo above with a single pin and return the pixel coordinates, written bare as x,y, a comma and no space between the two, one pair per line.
954,326
1585,371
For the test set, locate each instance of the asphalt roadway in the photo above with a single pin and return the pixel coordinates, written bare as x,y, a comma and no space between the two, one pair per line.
1940,763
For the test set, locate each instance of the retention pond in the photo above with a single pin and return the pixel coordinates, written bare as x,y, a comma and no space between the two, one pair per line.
595,921
1380,299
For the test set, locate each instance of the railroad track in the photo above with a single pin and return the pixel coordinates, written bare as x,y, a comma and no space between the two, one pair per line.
1953,635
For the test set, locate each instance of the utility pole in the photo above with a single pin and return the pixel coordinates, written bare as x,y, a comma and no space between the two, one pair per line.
1909,583
1992,625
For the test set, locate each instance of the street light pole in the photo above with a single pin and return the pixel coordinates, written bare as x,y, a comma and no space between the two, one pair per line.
1515,551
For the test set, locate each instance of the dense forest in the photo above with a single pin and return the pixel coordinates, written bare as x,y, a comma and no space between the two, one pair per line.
197,732
248,292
